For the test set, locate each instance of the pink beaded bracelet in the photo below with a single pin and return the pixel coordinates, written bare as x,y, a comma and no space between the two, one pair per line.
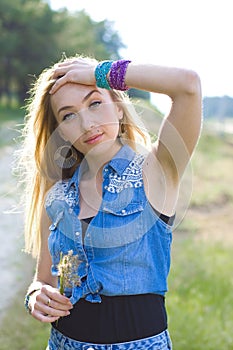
117,75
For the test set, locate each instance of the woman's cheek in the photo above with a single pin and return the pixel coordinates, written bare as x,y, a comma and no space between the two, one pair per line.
71,133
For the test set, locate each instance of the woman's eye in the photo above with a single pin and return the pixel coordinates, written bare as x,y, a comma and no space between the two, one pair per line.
95,104
69,116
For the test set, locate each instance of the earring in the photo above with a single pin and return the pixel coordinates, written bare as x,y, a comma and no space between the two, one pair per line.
122,130
65,156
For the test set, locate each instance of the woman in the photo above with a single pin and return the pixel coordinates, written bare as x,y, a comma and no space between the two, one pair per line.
101,208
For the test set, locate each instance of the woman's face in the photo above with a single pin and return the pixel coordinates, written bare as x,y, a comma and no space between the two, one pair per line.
87,117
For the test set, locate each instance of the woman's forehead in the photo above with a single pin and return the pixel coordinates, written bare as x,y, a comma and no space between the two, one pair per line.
77,89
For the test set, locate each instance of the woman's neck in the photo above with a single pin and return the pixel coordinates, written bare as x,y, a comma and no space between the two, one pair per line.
96,162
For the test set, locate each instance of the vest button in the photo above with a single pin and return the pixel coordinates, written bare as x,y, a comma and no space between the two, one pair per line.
77,233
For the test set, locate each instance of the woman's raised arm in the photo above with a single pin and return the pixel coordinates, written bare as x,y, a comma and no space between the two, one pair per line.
180,129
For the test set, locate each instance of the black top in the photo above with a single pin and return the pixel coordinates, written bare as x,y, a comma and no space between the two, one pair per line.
116,319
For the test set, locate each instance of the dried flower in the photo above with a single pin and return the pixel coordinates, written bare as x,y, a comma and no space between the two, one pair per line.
68,271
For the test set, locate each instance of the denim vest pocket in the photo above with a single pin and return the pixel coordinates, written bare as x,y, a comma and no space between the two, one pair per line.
131,208
121,224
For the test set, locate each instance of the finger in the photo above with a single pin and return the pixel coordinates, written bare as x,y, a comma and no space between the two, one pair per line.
48,310
59,72
47,319
71,62
59,306
59,83
64,64
43,317
54,295
76,61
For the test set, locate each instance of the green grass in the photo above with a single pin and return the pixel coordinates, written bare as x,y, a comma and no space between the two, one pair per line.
19,331
200,299
11,121
212,168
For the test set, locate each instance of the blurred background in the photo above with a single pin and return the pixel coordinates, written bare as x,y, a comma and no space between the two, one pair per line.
198,35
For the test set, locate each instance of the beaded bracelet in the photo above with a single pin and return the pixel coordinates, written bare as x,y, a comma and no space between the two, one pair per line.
117,75
27,298
101,72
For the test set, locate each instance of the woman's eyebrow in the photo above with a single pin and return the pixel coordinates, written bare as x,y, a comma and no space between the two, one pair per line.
83,100
89,94
64,108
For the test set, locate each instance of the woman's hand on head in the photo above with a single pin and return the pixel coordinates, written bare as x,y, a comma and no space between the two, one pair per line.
78,71
48,305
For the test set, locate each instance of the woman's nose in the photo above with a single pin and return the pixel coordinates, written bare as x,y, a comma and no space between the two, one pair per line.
87,121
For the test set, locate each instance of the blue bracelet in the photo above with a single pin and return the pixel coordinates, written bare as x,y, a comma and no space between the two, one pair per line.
26,303
27,298
101,72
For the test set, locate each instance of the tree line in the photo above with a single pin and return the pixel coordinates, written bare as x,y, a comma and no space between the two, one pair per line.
221,107
34,36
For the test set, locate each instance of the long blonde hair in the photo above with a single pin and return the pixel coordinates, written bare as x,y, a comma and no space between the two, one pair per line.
40,171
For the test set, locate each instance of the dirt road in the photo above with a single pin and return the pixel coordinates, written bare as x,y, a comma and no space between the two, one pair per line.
14,267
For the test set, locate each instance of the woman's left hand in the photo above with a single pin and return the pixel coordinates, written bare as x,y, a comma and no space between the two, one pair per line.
48,305
77,71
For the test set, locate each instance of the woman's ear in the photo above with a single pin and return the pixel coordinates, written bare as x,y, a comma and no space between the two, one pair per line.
120,112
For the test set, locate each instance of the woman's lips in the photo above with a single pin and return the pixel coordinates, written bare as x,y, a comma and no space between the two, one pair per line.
93,139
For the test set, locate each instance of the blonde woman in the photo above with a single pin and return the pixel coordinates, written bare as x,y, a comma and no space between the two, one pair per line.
102,200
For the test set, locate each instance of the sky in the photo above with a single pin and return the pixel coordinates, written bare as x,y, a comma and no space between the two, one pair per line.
184,33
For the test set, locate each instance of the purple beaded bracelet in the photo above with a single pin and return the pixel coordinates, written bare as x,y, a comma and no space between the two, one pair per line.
117,75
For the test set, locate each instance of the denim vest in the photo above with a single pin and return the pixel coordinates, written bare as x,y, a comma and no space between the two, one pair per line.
126,248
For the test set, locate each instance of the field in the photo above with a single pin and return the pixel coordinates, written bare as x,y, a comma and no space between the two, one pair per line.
200,298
